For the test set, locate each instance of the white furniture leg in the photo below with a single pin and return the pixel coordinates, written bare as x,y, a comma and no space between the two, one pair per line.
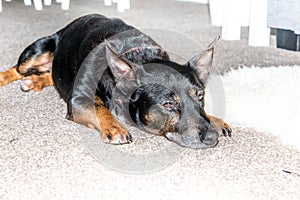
231,27
47,2
27,2
259,33
127,4
38,4
244,12
216,12
107,2
123,5
65,4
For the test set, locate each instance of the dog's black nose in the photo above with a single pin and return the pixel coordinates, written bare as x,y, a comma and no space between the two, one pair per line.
209,137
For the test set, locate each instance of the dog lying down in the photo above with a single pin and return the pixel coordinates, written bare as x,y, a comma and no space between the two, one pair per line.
105,70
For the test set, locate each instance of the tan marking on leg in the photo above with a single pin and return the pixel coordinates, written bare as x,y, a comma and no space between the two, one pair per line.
101,119
41,63
111,130
9,76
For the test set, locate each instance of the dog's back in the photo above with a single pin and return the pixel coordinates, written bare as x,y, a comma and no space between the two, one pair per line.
75,42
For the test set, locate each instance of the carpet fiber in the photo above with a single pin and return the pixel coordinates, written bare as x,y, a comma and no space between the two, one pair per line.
45,156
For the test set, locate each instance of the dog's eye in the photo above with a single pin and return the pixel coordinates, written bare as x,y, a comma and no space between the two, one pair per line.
200,95
168,105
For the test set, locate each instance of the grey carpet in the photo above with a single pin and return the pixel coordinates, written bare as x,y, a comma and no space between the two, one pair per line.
44,156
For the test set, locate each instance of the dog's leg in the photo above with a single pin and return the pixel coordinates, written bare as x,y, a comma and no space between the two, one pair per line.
111,130
39,68
99,118
36,82
9,76
38,56
34,61
33,82
220,125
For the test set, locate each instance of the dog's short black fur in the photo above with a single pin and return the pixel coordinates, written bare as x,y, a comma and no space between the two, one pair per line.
104,68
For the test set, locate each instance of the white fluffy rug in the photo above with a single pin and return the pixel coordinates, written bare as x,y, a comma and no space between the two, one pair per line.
266,99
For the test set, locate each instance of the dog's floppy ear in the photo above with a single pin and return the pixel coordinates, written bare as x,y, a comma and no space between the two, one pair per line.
119,67
203,61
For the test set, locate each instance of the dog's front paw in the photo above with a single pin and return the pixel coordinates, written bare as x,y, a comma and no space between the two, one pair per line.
226,130
115,133
222,127
111,130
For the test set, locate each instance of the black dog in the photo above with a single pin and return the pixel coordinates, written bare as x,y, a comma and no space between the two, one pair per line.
103,67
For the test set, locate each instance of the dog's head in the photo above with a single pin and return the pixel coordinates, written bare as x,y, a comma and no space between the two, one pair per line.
166,98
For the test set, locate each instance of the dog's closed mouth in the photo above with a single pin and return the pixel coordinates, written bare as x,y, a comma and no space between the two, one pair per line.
192,142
